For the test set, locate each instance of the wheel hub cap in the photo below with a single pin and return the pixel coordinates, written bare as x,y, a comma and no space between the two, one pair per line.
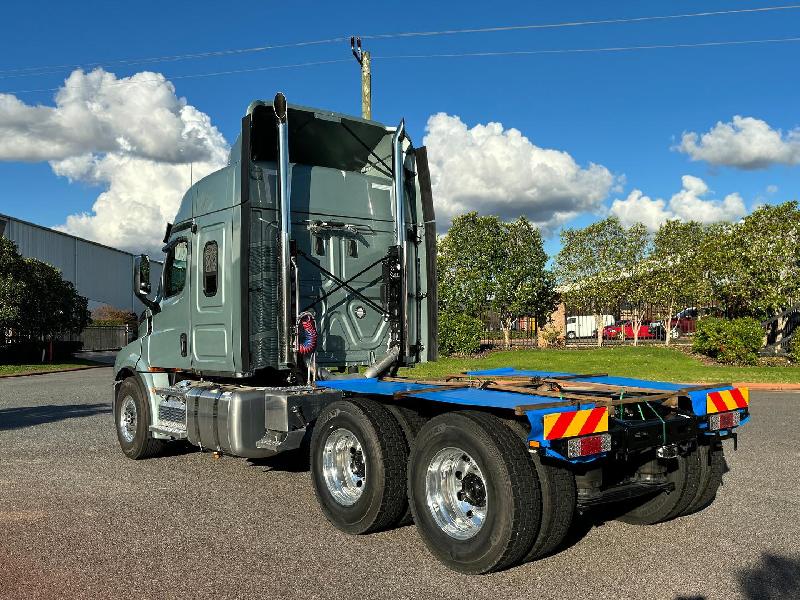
456,494
128,419
344,466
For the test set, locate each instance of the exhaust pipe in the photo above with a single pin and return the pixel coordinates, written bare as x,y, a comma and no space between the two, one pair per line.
380,367
401,235
284,193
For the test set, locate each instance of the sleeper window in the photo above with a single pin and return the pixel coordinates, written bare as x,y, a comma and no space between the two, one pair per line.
210,269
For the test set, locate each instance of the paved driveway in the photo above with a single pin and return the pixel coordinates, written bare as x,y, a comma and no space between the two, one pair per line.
77,519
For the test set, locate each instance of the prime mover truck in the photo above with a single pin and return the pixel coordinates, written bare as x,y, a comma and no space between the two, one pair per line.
300,277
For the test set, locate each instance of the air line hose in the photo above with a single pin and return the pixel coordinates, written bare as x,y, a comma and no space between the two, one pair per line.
307,335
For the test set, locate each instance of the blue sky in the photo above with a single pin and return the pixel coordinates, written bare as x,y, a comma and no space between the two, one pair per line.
622,110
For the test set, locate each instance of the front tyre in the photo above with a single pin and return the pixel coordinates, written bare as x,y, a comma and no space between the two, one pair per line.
473,492
132,419
358,466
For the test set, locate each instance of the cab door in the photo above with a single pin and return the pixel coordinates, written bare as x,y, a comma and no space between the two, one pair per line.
212,328
169,346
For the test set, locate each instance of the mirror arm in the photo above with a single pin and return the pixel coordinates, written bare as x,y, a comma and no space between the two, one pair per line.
153,305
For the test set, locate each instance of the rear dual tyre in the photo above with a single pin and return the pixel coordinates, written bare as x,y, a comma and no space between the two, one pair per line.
683,472
358,466
474,493
712,467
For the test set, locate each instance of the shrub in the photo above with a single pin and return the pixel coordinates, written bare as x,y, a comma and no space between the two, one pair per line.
459,333
734,341
552,336
794,348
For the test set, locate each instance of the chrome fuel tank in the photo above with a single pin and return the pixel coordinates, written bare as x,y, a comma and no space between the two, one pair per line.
236,419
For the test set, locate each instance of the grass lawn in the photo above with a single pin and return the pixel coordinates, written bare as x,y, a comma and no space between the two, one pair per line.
28,369
661,364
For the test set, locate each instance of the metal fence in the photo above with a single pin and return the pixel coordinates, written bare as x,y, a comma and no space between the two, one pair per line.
578,326
104,337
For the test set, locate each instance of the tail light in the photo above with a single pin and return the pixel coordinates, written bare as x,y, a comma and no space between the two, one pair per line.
588,445
726,420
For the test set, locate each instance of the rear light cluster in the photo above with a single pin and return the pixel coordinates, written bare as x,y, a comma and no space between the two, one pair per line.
588,445
726,420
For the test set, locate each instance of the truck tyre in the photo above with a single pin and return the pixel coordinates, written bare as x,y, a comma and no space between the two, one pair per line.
132,419
712,467
559,498
473,492
684,472
410,422
358,466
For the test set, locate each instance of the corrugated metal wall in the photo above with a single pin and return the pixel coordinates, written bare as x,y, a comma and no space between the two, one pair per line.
104,275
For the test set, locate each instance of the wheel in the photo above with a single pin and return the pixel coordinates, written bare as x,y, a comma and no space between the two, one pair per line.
473,493
559,498
410,422
358,466
712,467
684,472
570,335
132,419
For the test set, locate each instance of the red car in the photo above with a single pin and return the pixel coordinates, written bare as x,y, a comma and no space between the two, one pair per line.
616,331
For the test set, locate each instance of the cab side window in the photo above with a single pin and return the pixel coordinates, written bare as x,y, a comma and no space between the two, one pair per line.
176,268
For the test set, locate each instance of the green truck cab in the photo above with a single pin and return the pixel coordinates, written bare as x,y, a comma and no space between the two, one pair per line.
317,217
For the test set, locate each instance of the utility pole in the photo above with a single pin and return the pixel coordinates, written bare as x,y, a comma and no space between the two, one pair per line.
366,76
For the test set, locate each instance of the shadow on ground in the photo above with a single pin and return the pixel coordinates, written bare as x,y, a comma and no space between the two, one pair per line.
293,461
776,577
28,416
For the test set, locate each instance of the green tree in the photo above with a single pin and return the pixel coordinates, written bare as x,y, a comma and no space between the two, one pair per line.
35,300
679,267
599,264
12,286
485,263
754,264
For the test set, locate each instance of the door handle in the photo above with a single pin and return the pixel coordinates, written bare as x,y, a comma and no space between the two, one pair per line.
183,345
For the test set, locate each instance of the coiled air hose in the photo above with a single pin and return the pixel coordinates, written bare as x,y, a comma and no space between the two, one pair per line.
307,335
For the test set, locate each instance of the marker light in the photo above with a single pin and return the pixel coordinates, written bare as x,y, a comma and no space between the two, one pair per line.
588,445
725,420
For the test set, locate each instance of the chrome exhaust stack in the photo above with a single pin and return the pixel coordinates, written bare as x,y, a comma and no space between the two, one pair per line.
284,193
401,235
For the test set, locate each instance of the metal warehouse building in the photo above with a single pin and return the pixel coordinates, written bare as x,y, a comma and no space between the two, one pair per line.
103,274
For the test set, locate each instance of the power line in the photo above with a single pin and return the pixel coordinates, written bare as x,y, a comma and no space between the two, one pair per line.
52,69
587,50
130,81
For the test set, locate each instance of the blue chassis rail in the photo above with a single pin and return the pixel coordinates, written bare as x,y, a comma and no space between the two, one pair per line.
497,399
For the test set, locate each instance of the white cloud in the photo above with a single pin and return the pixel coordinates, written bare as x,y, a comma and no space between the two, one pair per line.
132,135
744,143
772,189
499,171
688,204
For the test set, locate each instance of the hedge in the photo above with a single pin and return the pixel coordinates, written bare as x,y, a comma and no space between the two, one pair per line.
735,341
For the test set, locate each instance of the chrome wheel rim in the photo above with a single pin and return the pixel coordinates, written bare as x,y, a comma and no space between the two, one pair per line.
344,466
456,494
128,419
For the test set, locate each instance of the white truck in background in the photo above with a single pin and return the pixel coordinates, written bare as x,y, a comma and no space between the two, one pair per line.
584,326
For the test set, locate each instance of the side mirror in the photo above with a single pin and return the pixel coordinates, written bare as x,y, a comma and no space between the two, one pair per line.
141,282
141,274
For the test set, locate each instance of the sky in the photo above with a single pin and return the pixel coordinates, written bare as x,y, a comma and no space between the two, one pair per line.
98,142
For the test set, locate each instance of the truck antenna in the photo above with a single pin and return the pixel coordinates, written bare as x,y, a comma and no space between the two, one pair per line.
363,59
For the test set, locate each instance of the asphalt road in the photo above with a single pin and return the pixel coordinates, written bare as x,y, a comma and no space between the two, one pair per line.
78,520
